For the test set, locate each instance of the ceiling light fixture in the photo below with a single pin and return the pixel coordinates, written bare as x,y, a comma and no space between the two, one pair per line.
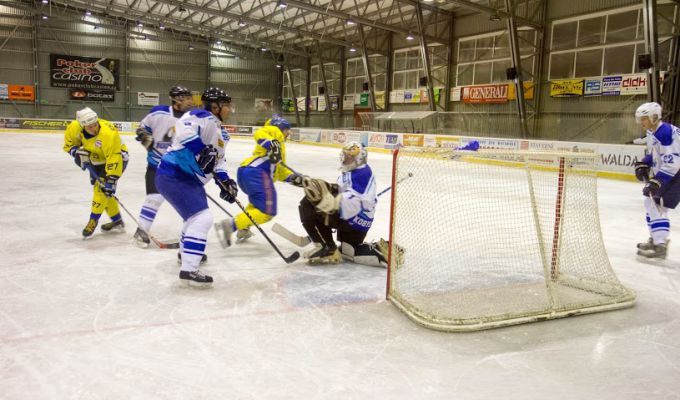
161,27
281,4
88,12
44,16
263,48
409,36
352,49
218,42
46,1
140,24
241,23
351,22
181,9
278,65
495,17
191,47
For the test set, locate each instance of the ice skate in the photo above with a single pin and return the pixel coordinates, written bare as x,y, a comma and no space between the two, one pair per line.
648,245
195,278
118,226
243,234
384,248
308,253
325,255
89,228
224,231
141,238
658,251
204,258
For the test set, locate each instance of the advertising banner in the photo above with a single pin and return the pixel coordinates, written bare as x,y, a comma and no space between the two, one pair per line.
4,91
379,99
611,85
196,97
566,87
91,94
492,143
84,72
44,124
377,139
21,92
342,137
408,96
287,105
348,102
363,99
321,103
147,98
307,135
450,142
456,93
334,102
634,84
264,105
238,130
592,87
486,93
528,90
301,103
412,139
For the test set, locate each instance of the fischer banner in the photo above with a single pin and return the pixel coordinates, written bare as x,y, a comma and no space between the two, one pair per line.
84,72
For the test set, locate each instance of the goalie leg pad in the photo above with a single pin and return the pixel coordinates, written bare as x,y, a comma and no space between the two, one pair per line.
364,254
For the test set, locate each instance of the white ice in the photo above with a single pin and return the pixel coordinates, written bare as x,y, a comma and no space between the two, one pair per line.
103,319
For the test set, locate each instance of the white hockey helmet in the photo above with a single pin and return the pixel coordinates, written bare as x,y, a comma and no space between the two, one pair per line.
352,156
86,117
651,110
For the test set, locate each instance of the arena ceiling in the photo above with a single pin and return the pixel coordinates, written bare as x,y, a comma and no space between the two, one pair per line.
294,27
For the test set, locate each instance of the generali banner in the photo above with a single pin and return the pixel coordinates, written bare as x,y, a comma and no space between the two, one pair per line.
84,72
496,93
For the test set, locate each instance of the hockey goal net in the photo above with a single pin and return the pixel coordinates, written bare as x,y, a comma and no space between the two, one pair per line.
491,238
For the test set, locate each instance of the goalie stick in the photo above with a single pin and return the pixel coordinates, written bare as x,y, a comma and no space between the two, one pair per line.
158,243
302,241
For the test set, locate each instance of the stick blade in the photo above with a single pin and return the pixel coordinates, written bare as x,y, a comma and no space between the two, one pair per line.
300,241
292,258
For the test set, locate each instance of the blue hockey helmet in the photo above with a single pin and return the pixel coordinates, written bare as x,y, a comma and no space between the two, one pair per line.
278,122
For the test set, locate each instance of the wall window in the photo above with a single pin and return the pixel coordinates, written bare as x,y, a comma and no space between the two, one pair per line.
409,68
607,43
485,58
332,72
299,77
355,74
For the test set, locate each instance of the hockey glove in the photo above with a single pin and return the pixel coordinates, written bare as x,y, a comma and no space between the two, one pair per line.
207,159
126,158
145,138
109,185
651,188
274,152
295,180
642,171
228,188
80,156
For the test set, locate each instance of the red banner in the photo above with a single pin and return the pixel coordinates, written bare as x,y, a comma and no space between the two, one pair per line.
497,93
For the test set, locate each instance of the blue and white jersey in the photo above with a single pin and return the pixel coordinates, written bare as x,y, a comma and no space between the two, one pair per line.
664,151
160,124
357,204
194,131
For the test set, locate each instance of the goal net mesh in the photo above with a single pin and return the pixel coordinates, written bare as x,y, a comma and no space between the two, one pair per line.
491,238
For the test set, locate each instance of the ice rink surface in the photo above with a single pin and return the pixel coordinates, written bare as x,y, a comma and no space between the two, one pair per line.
104,319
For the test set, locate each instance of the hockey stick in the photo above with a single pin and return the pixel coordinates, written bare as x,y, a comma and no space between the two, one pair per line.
300,241
288,259
387,189
219,205
161,245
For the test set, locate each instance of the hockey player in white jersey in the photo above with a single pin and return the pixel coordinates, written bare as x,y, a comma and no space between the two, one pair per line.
155,133
348,207
196,157
662,188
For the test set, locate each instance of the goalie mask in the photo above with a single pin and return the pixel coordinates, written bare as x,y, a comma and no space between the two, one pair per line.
353,156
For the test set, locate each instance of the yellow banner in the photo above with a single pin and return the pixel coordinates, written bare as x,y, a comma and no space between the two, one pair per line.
528,90
566,88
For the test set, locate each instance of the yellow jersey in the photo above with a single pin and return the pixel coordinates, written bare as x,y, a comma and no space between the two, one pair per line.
105,147
259,159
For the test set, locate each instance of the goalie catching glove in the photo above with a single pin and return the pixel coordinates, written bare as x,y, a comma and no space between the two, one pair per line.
322,194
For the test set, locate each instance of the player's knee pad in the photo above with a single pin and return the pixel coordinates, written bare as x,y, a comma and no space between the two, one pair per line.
307,211
199,224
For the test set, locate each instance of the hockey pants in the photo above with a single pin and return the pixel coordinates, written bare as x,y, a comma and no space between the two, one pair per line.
259,187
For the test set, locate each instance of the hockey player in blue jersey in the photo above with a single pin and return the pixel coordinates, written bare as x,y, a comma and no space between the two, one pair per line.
347,206
195,157
662,188
155,133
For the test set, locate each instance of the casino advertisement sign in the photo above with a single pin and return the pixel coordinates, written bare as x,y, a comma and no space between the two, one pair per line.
84,72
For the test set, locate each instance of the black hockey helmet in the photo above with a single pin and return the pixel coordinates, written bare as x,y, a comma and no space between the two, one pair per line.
177,91
215,95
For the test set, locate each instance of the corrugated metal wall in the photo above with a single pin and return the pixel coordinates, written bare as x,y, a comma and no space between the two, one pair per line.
145,66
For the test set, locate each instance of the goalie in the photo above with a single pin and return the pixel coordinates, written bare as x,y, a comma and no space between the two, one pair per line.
348,207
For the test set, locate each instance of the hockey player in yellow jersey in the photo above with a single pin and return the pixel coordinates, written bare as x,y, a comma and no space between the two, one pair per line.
95,145
256,176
